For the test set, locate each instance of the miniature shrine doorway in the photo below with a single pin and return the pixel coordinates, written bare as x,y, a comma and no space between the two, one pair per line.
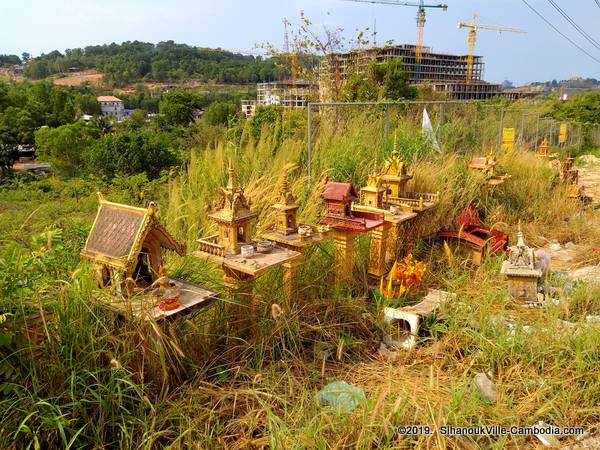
148,263
241,235
142,274
103,276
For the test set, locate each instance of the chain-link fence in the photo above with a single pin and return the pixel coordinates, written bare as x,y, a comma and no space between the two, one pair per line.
459,125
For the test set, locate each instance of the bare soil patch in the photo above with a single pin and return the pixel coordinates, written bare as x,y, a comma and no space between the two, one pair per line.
76,79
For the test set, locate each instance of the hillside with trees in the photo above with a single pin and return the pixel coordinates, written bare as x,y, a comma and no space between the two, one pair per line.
9,60
168,61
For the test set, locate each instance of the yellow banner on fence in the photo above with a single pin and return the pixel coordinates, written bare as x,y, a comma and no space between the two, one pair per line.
562,133
508,138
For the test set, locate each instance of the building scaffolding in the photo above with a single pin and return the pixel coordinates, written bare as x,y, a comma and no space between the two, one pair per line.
287,94
434,66
447,73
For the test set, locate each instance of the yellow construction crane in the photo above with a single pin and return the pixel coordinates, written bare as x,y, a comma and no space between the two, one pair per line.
473,27
290,53
421,5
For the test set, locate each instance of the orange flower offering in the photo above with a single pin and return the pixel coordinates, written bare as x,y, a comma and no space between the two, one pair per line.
403,276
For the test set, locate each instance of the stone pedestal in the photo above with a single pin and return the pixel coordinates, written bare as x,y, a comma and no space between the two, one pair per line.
379,243
344,241
523,283
521,271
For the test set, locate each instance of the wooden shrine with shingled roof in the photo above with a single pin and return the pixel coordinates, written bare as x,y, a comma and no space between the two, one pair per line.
126,242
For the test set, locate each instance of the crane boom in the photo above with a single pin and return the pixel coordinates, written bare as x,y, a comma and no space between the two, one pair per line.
473,27
421,5
491,28
399,3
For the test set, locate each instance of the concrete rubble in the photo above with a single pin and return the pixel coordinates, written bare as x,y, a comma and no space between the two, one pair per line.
486,387
563,261
589,176
585,442
406,322
548,440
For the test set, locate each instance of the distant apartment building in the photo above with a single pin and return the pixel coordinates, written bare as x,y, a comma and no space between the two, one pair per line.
283,93
112,106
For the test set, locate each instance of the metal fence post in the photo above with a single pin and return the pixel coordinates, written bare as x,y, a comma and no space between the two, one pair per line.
309,143
521,127
387,123
501,127
440,120
537,131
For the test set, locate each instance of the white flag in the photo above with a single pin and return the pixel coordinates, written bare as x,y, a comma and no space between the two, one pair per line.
428,129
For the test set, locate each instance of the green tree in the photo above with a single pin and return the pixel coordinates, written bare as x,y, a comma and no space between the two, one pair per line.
385,80
8,152
136,120
391,79
359,88
219,113
581,108
86,103
131,153
37,69
178,107
19,122
66,146
104,124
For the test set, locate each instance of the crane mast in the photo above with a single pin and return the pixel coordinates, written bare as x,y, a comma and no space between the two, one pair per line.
290,53
473,27
421,5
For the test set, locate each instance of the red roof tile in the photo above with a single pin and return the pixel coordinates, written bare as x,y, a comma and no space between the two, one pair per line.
339,191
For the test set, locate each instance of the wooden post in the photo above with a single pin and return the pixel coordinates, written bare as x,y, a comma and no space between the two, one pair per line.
242,311
379,244
291,269
344,241
394,241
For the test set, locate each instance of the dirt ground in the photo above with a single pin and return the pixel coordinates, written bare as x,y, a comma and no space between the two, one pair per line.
96,79
570,258
589,176
76,79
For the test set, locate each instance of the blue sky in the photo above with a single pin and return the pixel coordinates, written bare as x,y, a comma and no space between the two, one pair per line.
40,26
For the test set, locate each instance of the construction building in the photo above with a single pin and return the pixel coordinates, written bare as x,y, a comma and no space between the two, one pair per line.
284,93
445,72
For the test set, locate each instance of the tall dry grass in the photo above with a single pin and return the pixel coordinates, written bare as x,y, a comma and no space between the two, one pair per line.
107,383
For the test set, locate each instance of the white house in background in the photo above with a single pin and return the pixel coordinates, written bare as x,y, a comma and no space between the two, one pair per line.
112,106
